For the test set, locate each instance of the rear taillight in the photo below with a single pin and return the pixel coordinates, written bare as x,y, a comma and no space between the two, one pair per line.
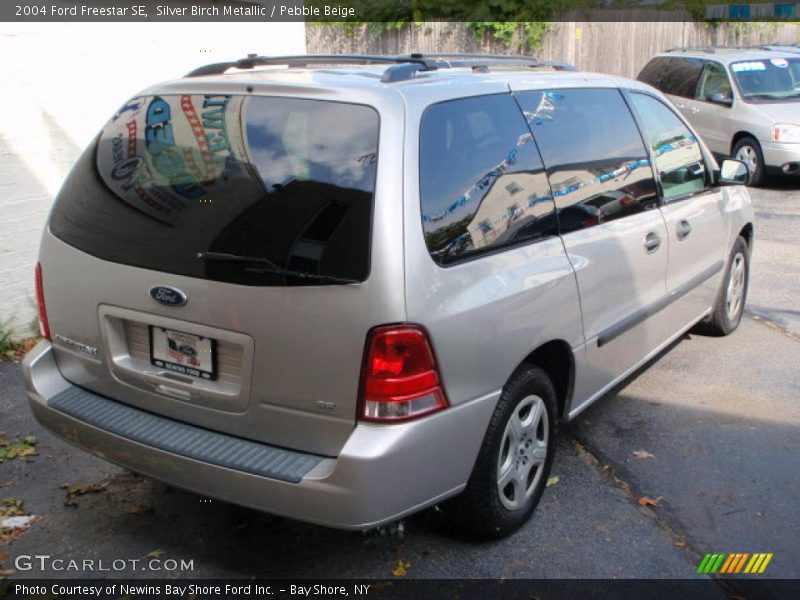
44,328
400,379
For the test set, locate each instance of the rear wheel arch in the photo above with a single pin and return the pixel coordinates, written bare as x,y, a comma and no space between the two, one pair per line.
557,360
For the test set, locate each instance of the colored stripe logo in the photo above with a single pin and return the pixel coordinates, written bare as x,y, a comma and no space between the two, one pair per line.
735,562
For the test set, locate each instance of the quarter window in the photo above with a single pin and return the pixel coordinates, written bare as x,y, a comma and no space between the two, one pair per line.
676,151
482,184
594,155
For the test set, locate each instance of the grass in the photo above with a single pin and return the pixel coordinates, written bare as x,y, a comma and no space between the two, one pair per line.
11,348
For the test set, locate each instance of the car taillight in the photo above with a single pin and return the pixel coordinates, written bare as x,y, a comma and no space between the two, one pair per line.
400,379
43,325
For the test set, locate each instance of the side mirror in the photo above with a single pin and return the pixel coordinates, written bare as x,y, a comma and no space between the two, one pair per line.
733,172
720,98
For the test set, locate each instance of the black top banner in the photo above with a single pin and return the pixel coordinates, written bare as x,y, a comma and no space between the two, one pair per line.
394,11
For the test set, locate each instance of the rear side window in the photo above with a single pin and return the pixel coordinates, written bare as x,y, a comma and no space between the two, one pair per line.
482,184
651,74
680,76
248,190
594,154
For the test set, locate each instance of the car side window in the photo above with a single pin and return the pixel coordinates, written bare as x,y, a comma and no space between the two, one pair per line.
651,74
680,76
482,183
714,80
676,151
594,154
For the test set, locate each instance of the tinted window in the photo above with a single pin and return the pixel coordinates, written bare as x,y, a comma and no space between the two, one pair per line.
651,74
482,184
593,152
286,182
680,76
677,153
714,80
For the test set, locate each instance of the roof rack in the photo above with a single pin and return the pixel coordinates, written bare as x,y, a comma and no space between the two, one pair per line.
707,49
401,67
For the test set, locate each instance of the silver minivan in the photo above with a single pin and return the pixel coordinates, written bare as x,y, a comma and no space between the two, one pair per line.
744,102
345,292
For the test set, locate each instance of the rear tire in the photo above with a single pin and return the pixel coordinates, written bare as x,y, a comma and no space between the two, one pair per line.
514,462
729,305
748,150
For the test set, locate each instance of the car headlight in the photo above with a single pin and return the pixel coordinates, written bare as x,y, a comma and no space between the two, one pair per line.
786,133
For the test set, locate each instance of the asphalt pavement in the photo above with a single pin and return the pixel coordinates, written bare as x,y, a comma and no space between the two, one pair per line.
710,433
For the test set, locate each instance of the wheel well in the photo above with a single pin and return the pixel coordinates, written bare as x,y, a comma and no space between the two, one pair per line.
556,359
747,234
739,135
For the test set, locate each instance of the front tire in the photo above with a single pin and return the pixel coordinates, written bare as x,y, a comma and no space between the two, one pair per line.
513,465
729,305
748,150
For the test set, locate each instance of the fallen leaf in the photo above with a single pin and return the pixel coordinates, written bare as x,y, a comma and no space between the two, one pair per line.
140,509
680,544
552,481
648,501
401,570
3,556
157,553
11,507
643,454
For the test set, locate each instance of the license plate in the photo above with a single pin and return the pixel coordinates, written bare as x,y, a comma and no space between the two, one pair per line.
182,352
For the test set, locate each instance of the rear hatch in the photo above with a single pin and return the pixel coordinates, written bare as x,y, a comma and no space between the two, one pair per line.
217,252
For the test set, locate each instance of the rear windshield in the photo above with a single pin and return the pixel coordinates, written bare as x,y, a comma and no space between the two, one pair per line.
240,189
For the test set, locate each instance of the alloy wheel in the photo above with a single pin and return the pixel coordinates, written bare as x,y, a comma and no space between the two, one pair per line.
735,292
523,451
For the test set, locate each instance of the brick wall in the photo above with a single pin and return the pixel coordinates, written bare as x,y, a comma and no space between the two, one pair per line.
59,83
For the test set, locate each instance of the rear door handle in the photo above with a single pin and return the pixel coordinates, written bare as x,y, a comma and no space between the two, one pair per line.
683,229
652,242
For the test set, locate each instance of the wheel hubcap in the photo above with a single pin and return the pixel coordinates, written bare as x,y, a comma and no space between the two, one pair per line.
735,292
523,451
747,155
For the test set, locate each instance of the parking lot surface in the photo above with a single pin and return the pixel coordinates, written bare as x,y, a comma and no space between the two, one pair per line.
708,439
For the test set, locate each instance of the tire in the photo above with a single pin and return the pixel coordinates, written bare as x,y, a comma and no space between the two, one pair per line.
483,509
748,150
729,305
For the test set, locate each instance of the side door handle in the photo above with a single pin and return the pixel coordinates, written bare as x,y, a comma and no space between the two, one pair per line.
652,242
683,229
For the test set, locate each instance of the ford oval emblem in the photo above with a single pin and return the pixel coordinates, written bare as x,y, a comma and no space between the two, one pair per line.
169,296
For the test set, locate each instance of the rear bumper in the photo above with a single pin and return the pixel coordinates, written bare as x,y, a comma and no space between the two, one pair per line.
382,473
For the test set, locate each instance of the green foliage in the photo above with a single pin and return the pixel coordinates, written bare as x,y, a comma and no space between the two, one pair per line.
525,35
8,346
